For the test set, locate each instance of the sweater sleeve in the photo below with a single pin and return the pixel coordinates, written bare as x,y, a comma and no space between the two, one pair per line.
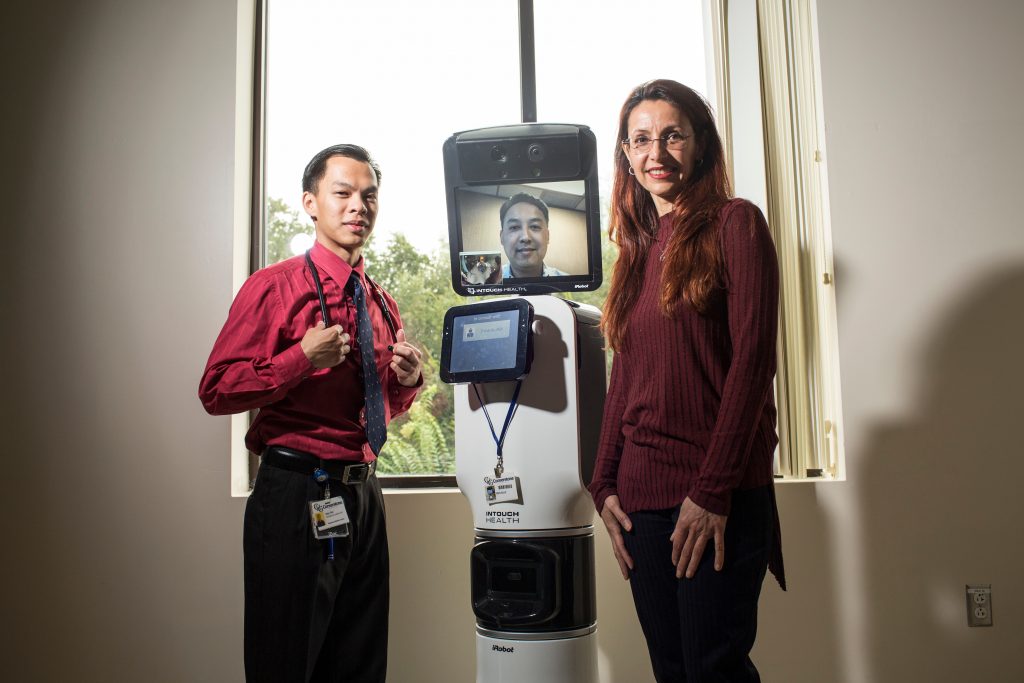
752,282
246,369
609,450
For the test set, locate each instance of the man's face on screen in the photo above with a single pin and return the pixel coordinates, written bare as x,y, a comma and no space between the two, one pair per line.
524,237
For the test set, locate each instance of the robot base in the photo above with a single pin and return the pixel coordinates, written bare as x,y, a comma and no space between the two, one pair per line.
537,658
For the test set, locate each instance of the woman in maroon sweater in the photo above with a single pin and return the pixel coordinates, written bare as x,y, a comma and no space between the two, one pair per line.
683,479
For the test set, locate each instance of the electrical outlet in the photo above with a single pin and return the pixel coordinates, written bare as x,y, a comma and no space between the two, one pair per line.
979,604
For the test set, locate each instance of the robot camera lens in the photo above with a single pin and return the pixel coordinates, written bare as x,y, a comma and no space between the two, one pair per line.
535,152
498,154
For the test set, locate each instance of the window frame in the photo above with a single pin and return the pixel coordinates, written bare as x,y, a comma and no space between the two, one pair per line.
808,388
786,176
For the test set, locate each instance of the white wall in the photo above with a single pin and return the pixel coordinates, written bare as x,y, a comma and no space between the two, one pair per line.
117,178
923,125
116,181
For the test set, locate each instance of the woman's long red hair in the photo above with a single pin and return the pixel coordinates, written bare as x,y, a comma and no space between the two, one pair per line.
692,267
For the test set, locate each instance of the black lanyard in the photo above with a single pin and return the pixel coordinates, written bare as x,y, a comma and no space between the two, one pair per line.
373,285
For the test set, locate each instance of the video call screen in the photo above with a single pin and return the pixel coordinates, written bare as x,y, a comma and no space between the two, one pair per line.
484,341
523,210
542,238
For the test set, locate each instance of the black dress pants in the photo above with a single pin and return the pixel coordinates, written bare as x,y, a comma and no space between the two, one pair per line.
309,619
701,630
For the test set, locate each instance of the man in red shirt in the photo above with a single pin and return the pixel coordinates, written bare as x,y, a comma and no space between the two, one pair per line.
318,348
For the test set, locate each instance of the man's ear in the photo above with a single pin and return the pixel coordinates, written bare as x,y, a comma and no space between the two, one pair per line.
309,204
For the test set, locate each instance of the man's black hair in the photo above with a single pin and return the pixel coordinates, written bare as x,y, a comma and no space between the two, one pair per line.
522,198
317,166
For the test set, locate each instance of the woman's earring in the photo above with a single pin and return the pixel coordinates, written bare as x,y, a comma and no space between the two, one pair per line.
631,171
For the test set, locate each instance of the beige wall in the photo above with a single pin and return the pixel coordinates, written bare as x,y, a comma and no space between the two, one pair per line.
117,179
923,123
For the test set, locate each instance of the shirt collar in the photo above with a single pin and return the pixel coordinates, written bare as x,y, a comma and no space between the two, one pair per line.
506,270
334,266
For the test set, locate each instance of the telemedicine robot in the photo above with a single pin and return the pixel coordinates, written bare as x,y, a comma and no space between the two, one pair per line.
530,376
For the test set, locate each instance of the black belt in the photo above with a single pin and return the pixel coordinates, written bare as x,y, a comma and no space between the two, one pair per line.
305,463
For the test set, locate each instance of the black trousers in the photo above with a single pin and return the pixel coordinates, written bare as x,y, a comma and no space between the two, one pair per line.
701,630
309,619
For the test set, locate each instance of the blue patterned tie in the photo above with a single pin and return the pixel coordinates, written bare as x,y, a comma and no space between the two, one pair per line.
376,430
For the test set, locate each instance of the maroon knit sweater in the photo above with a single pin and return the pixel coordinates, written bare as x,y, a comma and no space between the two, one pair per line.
690,409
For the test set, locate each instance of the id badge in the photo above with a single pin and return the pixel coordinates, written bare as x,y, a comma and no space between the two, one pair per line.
505,489
329,518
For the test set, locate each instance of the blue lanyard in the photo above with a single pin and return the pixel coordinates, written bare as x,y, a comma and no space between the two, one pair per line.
500,440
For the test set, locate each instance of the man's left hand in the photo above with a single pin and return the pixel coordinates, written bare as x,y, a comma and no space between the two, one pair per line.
406,361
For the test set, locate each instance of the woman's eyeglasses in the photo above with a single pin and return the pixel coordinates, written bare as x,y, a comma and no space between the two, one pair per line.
642,143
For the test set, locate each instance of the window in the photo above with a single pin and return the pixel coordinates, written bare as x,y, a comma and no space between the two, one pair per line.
401,77
769,111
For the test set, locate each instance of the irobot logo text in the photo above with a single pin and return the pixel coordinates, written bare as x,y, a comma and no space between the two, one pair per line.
502,648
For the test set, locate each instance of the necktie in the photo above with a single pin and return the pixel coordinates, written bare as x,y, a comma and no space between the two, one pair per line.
376,430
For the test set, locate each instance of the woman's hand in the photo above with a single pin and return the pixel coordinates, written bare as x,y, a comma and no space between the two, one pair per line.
695,527
615,520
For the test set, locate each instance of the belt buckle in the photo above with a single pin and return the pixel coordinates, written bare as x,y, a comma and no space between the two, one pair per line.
357,474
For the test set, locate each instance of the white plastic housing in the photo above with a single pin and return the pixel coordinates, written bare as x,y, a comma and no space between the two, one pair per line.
565,660
552,437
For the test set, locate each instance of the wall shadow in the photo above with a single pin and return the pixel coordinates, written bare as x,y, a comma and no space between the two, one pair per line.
32,36
941,499
798,629
129,572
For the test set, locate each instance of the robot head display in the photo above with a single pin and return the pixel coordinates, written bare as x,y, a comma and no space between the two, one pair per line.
530,374
523,213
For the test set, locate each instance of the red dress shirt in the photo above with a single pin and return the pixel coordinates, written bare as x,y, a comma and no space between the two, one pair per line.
257,361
